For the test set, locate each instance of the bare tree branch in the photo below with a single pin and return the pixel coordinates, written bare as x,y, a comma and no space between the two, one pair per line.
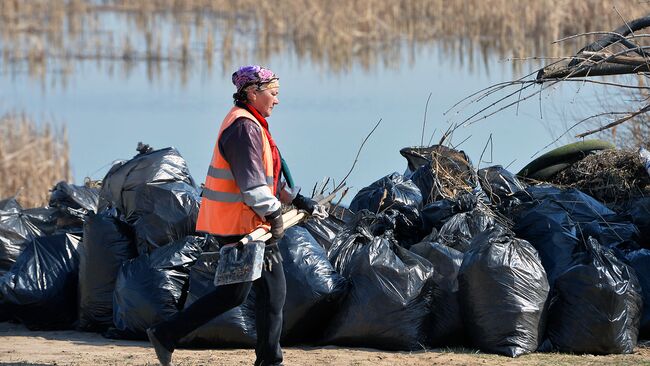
616,123
424,122
356,158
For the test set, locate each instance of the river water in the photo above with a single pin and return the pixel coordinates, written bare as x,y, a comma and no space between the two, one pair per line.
323,116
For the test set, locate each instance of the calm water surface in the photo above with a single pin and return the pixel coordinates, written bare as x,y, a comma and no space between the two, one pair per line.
322,118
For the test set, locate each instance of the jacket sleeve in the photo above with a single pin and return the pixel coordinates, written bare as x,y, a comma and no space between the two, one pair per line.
241,146
286,193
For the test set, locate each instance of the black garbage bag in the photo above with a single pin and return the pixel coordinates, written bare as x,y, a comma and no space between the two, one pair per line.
580,206
503,290
65,195
446,322
159,166
108,242
500,185
621,235
156,194
73,203
461,228
152,287
388,305
392,191
358,232
640,261
235,327
407,228
163,213
314,288
16,229
435,214
398,197
10,203
51,220
595,306
638,211
324,231
40,289
552,232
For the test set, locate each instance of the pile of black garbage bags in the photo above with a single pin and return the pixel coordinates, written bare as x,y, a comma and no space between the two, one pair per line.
501,266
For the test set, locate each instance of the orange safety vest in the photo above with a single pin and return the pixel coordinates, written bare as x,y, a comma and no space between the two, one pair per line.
223,211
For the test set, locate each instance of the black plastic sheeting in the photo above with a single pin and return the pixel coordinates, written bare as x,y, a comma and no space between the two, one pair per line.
164,212
595,306
108,242
555,236
389,302
640,261
504,289
235,327
16,229
153,287
446,322
157,196
500,185
41,287
460,229
314,288
65,195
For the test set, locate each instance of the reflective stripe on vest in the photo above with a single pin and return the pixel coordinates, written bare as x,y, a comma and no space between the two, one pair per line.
223,211
227,174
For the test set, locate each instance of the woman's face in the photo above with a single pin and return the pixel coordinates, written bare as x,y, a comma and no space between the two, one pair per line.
264,100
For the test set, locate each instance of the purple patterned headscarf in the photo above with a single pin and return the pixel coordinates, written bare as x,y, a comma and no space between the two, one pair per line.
254,75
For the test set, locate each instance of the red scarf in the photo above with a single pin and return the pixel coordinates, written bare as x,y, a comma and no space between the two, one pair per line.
277,161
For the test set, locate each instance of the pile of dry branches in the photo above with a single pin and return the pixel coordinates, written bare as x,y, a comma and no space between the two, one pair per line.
450,170
32,159
611,176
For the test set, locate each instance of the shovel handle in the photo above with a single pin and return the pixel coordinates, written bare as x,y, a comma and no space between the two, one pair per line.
289,219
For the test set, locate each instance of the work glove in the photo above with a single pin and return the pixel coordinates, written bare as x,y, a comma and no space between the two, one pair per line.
310,206
271,251
271,256
277,226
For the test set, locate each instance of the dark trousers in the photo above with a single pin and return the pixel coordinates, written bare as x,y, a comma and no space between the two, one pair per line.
270,292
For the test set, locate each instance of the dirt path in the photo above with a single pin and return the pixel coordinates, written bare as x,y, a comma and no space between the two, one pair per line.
23,347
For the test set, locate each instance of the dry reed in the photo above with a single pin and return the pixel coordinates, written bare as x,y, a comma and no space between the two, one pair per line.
32,159
336,34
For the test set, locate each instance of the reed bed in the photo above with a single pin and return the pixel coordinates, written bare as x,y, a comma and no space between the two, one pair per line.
33,158
336,34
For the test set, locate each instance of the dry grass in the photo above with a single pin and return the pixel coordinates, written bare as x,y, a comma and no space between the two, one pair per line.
335,34
611,176
32,159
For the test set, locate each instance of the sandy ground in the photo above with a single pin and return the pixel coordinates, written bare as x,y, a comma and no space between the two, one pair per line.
19,346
